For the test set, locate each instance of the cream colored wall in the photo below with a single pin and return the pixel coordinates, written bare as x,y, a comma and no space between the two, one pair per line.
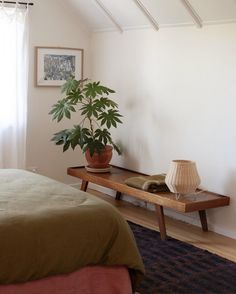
177,91
51,24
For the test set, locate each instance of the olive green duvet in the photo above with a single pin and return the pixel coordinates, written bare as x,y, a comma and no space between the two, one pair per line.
49,228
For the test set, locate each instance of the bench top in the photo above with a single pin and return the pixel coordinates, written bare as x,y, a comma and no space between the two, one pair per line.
115,180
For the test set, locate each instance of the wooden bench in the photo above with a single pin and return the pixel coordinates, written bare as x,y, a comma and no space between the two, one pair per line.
115,180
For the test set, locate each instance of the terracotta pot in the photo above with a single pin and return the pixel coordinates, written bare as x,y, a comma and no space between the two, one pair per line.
99,160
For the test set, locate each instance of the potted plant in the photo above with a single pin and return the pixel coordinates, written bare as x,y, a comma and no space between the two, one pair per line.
97,114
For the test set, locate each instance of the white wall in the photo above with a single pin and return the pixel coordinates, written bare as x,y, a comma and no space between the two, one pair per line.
51,24
177,91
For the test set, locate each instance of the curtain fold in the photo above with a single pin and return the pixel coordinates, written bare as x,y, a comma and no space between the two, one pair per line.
13,85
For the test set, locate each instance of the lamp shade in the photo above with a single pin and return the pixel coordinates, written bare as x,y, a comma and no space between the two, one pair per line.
182,177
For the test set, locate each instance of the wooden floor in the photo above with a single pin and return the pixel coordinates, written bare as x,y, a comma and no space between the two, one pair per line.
210,241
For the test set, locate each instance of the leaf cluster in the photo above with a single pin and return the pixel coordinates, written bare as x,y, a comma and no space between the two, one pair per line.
98,114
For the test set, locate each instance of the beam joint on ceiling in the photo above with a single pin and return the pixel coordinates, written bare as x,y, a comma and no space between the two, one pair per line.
147,13
196,18
109,14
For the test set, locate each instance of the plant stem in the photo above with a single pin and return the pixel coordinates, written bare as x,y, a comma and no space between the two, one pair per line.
82,121
96,123
91,127
90,121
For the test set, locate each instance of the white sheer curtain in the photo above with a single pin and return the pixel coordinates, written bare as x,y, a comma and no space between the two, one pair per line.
13,85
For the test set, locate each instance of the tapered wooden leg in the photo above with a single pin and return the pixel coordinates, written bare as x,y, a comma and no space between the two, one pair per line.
161,221
84,186
118,195
203,219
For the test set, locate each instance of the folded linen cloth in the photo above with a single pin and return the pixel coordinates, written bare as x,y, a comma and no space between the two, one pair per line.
155,183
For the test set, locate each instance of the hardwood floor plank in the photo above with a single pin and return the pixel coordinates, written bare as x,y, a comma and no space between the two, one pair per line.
213,242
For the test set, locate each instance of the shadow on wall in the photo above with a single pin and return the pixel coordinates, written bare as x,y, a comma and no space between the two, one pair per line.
230,185
139,129
230,190
130,160
226,214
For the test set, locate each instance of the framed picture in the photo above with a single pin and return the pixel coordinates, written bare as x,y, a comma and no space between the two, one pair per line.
55,65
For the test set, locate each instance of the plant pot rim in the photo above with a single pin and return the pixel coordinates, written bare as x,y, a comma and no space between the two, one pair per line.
182,161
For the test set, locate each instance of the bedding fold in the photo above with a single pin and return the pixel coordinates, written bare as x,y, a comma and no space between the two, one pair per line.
49,228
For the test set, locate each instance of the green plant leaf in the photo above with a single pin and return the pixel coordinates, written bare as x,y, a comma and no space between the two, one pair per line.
110,118
75,96
79,136
70,85
117,148
62,108
89,110
89,99
103,136
94,89
90,89
61,138
94,146
66,146
106,90
103,103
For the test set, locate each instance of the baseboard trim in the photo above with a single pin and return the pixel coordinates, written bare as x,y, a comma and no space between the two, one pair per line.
191,218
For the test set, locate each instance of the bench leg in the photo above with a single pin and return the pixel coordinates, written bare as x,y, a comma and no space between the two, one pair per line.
161,221
203,219
118,195
84,186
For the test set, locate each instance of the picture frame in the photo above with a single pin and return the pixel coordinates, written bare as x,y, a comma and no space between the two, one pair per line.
54,65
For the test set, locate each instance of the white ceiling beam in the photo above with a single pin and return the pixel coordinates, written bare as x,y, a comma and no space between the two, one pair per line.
196,18
109,14
147,13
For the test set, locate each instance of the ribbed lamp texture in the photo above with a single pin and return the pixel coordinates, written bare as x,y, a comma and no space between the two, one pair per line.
182,177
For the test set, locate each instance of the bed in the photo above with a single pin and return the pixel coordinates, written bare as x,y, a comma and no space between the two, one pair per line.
53,234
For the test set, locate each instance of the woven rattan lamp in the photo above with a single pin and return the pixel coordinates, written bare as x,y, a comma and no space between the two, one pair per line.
182,177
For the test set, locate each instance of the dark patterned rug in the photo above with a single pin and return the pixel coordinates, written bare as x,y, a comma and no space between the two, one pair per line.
176,267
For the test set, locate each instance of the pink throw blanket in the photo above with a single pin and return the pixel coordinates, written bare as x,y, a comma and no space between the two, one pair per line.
88,280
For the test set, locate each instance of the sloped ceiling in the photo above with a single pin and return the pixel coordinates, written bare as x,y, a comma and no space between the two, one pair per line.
121,15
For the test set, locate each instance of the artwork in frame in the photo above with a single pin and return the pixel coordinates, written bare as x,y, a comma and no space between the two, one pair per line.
54,65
